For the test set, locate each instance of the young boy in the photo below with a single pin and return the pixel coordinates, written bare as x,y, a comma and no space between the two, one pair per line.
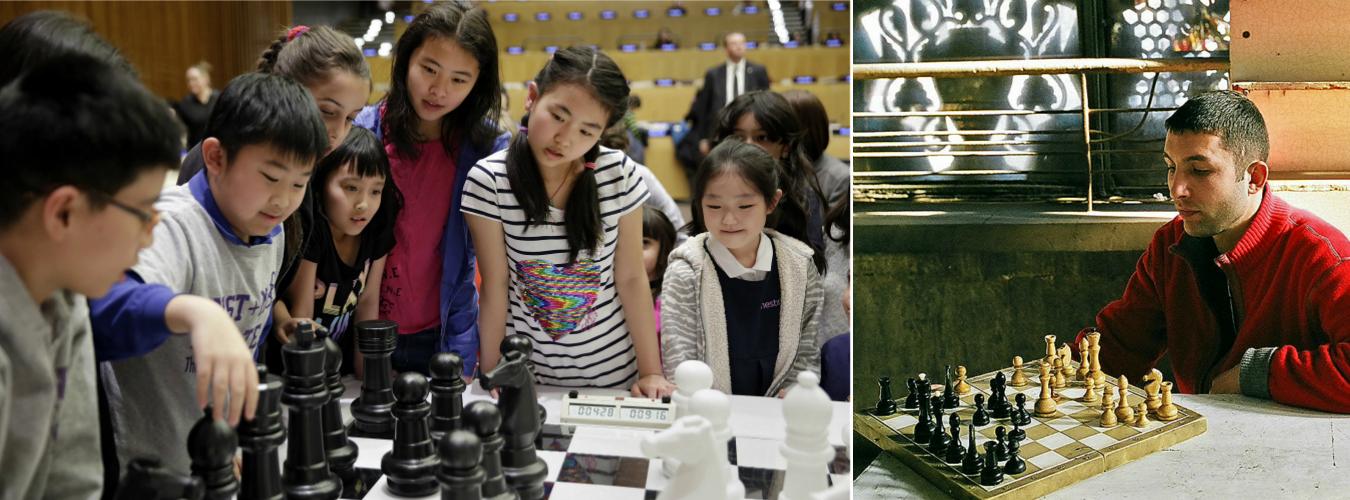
221,238
85,150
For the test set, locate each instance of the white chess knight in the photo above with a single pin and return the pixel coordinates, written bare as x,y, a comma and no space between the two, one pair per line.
701,477
807,450
691,376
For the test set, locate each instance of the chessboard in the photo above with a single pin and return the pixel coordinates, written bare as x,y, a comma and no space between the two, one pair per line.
1059,450
588,462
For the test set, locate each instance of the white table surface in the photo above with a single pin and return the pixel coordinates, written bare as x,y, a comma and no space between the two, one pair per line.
1253,448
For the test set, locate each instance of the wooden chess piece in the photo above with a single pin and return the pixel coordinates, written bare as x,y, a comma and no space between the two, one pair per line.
1045,405
1154,383
1124,412
1066,361
1108,412
1084,369
962,387
1019,379
1142,419
1049,346
1166,410
1094,346
1091,395
1057,372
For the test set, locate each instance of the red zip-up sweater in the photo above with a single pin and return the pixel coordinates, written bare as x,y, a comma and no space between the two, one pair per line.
1289,279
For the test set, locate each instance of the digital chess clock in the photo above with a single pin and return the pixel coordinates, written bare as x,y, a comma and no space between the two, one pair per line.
618,411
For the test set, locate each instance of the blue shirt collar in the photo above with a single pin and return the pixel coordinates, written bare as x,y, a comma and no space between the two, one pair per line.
202,192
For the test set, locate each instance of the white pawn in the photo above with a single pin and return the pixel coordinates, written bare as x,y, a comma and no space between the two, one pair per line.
690,439
691,376
715,406
807,450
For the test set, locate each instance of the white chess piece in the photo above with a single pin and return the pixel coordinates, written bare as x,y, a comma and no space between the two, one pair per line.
691,441
807,450
715,406
841,489
691,376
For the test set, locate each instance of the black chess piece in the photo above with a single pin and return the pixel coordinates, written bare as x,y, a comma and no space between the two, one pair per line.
340,451
954,449
923,431
260,476
447,390
513,377
912,400
998,398
1021,416
411,466
460,475
146,479
970,464
981,416
304,392
483,418
1017,433
211,444
1000,443
1015,464
375,339
991,474
885,402
937,443
949,399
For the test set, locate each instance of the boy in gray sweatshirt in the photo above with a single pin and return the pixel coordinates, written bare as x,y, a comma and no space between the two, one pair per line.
221,238
85,151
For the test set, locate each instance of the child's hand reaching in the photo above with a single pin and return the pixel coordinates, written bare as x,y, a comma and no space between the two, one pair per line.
653,386
224,362
284,330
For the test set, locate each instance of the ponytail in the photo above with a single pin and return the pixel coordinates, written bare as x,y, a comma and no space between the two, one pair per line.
581,216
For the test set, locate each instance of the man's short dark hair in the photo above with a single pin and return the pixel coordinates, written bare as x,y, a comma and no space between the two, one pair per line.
264,109
75,120
1231,117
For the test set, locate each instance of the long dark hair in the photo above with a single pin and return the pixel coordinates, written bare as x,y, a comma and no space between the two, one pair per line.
366,155
308,55
657,226
597,73
475,118
731,156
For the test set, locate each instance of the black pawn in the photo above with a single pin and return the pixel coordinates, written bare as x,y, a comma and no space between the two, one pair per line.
937,443
521,417
1015,463
981,417
340,451
1017,433
923,431
885,402
259,438
954,449
970,464
411,465
460,475
998,398
375,339
305,473
146,479
912,400
949,399
483,418
991,474
1000,446
211,444
1020,415
447,389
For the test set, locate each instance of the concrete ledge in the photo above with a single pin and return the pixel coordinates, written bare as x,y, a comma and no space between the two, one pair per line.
1005,227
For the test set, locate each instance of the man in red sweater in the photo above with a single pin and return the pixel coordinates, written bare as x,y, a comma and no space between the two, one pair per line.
1246,293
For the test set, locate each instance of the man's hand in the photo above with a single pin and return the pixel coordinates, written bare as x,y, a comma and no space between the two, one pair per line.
653,386
1227,382
224,361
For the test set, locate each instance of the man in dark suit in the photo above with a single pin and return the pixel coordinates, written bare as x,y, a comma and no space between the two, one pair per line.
721,85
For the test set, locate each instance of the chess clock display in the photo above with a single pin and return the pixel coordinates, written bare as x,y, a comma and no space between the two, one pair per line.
618,411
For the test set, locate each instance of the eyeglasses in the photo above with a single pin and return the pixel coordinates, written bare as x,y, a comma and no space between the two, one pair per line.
146,218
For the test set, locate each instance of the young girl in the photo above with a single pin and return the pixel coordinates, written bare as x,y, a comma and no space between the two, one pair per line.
658,239
436,122
557,225
740,297
356,205
765,119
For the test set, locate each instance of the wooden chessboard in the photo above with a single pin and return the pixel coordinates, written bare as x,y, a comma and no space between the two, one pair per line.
1059,450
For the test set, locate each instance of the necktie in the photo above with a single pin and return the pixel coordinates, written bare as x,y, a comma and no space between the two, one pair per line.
735,83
